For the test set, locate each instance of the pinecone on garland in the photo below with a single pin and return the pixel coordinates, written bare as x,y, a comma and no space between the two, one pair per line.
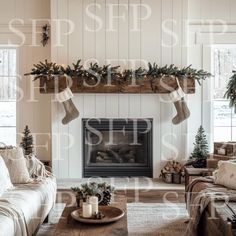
105,199
27,142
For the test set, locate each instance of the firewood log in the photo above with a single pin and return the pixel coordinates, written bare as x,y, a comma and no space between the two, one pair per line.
103,155
124,150
129,157
115,156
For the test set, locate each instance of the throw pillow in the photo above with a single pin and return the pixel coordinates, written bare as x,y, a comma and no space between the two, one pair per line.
226,174
18,170
13,153
5,181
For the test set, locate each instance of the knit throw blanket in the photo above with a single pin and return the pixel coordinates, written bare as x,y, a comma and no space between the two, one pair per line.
36,168
196,206
14,213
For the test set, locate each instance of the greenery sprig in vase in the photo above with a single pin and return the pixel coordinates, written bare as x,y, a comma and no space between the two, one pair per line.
103,191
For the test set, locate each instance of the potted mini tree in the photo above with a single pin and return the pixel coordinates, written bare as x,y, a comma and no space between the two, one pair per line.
201,150
27,142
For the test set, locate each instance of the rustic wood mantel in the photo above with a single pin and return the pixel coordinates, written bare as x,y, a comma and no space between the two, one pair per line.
146,85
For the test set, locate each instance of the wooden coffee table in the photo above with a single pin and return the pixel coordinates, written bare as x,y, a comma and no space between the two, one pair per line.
70,227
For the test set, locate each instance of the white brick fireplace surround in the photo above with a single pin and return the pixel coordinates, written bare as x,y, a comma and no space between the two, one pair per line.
123,45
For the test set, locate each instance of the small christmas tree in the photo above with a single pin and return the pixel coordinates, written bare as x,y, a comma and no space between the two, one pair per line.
27,142
201,149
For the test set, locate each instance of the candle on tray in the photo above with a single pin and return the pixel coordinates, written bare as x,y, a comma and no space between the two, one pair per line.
87,210
93,200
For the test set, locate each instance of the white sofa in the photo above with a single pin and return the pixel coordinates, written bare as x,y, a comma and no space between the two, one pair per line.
33,201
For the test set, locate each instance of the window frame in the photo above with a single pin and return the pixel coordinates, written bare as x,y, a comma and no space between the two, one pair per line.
207,90
15,47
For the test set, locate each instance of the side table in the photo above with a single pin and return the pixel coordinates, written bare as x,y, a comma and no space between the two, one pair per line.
191,173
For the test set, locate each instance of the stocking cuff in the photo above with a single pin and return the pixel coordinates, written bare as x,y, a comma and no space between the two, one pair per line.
64,95
177,94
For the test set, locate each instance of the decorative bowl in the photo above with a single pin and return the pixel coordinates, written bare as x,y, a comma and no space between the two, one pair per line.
110,213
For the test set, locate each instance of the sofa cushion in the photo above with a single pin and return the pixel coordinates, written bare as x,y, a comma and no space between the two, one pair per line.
5,181
18,171
13,153
226,174
16,164
35,200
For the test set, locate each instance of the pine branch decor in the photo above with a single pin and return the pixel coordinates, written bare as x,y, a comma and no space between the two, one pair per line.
46,69
103,191
50,70
27,142
201,149
231,91
45,35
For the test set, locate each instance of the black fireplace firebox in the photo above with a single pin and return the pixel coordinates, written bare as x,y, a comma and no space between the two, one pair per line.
117,147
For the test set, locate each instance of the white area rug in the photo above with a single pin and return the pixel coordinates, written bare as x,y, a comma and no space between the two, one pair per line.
144,219
149,219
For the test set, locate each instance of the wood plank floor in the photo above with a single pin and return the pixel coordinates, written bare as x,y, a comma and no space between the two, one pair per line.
150,196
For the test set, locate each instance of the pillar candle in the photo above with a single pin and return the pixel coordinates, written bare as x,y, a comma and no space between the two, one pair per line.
93,200
87,210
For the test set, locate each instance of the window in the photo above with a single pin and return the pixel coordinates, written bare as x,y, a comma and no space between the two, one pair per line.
224,119
8,78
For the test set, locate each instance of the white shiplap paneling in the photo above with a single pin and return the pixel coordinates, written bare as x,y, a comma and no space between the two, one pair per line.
121,45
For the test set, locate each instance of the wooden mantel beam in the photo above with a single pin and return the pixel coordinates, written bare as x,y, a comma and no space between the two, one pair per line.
146,85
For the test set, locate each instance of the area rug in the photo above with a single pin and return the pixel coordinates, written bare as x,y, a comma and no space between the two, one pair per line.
151,219
144,219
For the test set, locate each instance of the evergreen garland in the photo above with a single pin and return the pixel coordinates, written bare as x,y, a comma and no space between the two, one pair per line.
50,69
47,69
231,91
27,142
201,149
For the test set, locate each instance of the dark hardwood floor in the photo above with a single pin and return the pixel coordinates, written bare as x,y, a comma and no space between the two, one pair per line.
150,196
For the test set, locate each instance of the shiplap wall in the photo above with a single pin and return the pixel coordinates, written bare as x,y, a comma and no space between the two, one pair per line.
212,10
25,10
36,114
120,45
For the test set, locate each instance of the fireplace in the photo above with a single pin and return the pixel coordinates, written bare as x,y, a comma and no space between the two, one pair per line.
117,147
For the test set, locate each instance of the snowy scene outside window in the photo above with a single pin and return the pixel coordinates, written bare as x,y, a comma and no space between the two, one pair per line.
224,119
8,96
